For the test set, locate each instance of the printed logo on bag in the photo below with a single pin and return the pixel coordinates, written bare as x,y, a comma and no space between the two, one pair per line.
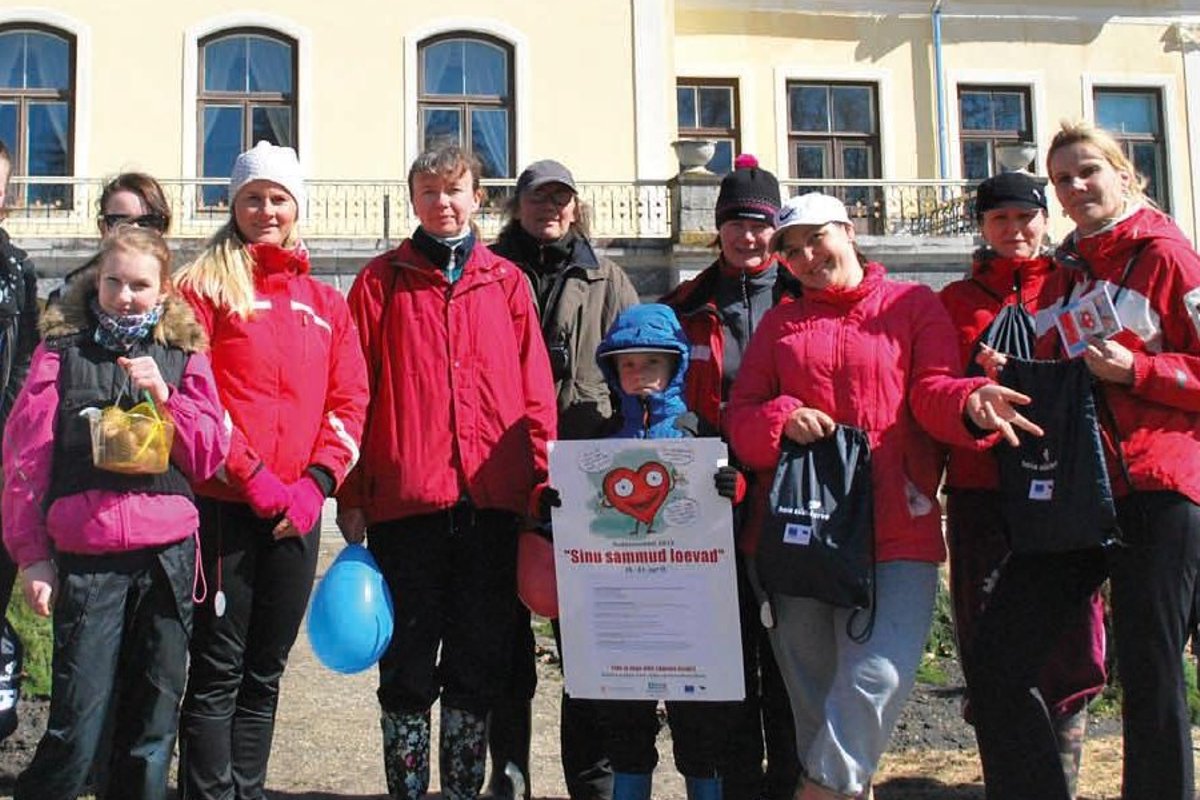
1041,490
701,352
795,533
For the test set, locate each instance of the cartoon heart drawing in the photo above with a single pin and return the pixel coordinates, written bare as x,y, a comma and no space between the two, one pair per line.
638,494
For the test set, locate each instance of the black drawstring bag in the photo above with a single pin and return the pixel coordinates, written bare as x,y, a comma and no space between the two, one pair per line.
1056,490
1012,331
818,539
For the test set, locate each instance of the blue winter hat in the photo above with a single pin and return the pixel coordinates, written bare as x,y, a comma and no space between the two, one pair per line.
646,328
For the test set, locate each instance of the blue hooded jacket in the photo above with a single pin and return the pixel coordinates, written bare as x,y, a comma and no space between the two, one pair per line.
651,326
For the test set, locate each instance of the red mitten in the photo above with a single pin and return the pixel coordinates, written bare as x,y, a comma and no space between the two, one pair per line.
304,508
266,494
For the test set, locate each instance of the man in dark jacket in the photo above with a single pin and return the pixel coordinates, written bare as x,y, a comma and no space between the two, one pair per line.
578,295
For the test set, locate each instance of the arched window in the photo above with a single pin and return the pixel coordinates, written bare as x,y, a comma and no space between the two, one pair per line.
246,95
37,109
466,98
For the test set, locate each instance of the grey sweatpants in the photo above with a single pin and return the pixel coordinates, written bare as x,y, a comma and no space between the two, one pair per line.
845,695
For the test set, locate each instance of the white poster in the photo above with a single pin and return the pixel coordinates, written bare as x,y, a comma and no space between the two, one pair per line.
647,591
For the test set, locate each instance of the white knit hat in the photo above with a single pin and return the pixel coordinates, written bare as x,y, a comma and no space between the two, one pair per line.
268,162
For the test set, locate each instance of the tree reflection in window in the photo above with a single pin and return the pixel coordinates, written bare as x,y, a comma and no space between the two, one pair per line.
1134,117
247,95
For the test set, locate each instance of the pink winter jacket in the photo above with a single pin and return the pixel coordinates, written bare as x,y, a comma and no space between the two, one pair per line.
882,357
101,521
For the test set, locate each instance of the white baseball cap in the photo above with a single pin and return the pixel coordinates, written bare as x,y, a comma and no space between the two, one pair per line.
813,208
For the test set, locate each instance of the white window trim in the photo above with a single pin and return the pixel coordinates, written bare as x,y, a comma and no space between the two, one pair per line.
747,130
1165,84
1034,81
653,89
882,79
303,90
522,81
83,73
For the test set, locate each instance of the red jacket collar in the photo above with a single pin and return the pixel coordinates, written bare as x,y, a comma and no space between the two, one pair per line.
873,275
271,259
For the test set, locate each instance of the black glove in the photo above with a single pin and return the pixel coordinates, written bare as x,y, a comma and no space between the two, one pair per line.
548,499
730,483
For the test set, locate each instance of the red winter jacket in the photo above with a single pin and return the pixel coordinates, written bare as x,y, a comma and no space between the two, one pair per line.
881,357
973,303
462,399
1158,417
291,376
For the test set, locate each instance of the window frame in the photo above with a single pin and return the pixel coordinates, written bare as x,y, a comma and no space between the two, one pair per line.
466,104
835,142
246,100
732,134
23,97
1127,141
995,137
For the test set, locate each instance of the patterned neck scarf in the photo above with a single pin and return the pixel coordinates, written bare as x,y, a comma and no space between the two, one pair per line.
120,334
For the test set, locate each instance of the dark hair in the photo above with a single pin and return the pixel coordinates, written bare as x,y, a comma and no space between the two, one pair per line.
145,187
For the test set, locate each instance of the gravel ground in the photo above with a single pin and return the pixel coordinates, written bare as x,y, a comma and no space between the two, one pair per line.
327,743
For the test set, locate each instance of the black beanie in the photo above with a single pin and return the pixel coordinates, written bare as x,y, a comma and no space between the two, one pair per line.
749,192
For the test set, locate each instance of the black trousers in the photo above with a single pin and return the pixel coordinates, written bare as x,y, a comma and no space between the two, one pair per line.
452,576
121,628
510,725
762,723
1153,580
699,733
238,659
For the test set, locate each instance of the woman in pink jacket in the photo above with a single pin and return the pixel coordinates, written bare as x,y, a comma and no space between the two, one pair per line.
112,554
857,349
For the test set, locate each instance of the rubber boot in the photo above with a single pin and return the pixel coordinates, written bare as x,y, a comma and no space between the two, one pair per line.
1070,730
703,788
463,754
406,753
631,786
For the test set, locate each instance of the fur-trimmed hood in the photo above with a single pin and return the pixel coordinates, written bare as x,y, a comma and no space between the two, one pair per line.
72,315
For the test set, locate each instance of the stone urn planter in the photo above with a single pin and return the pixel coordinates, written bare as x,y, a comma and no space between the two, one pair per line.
693,154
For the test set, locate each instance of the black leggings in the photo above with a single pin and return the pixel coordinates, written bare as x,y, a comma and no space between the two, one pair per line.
238,659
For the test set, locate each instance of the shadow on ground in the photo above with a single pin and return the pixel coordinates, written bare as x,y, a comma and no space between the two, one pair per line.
927,789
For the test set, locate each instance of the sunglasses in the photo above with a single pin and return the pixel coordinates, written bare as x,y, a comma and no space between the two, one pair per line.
559,197
153,221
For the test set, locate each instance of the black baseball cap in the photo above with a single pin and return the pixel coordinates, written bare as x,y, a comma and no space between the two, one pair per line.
1010,190
539,173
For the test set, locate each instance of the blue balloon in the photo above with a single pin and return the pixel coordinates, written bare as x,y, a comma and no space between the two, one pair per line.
350,618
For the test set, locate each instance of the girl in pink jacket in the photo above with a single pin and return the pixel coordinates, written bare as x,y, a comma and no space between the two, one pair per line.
112,554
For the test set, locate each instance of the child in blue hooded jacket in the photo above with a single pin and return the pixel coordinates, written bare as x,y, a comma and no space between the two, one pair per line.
644,358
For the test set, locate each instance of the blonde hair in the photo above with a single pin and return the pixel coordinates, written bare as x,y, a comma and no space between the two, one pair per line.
223,273
1084,132
131,239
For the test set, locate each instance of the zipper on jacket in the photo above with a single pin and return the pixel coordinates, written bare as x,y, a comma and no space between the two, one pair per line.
645,401
749,310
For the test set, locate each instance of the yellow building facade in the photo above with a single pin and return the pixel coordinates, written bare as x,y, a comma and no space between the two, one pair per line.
863,95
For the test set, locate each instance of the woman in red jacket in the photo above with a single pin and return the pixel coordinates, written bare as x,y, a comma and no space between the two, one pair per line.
1148,378
857,349
1012,268
291,376
462,408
